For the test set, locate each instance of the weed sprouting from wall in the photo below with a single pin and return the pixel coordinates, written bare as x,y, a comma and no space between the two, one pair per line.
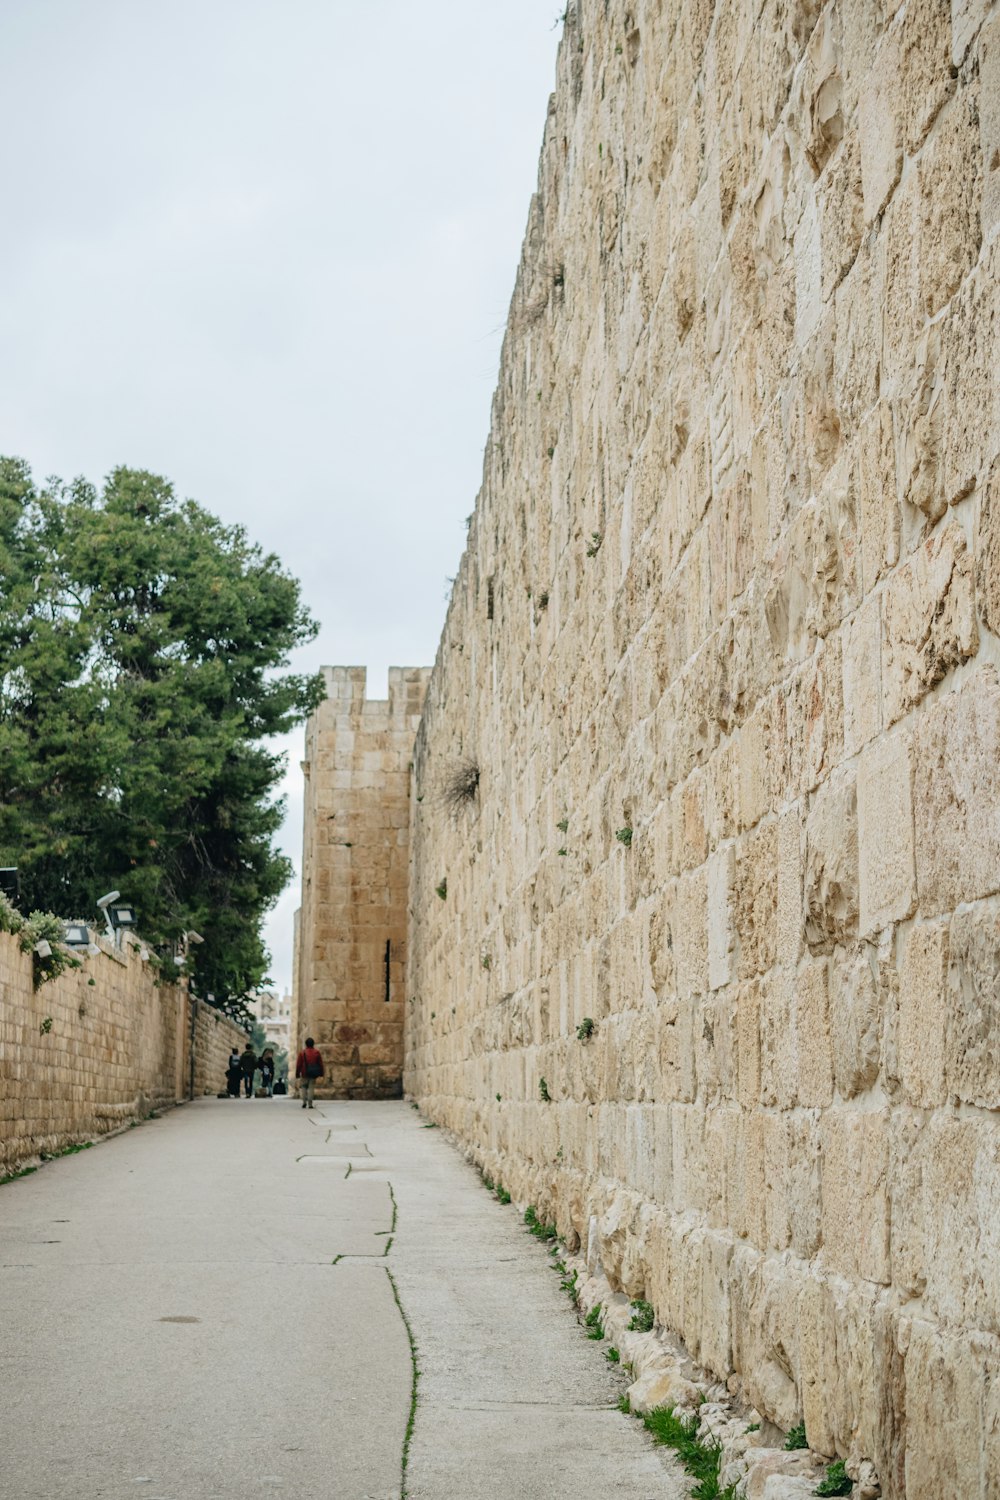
460,787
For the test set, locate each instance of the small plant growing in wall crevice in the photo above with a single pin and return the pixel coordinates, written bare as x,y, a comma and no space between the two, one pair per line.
442,889
593,1324
543,1092
596,538
624,836
586,1029
796,1438
643,1316
837,1481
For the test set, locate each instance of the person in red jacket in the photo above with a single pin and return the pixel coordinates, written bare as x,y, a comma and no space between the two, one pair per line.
309,1067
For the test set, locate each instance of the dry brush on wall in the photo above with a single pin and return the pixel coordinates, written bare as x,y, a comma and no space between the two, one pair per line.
724,650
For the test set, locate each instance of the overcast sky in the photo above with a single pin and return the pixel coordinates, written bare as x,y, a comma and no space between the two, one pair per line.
266,248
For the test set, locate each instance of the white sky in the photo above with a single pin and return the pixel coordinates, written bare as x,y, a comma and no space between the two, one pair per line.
266,248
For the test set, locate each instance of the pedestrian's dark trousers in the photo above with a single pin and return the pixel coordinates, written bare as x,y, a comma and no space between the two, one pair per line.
248,1084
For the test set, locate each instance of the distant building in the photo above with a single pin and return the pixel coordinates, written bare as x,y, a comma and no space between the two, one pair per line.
274,1012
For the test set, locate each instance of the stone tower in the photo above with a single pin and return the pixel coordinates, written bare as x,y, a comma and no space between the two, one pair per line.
351,936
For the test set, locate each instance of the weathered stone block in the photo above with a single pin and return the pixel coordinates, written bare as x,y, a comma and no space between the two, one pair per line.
988,543
945,1380
928,620
879,131
923,1013
957,812
862,676
830,894
721,931
950,187
972,1005
756,899
989,121
855,1193
855,1023
885,834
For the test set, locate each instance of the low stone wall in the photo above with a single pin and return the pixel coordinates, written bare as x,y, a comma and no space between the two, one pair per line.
94,1049
707,969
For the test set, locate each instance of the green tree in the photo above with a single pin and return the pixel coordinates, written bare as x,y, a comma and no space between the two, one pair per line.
141,642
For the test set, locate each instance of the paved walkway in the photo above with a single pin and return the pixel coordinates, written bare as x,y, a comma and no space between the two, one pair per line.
202,1309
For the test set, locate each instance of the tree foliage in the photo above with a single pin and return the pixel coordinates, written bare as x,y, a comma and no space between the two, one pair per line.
141,642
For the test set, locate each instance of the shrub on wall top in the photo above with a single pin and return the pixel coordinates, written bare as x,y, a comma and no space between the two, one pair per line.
40,927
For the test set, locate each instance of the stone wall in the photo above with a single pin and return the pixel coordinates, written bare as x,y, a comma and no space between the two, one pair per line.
724,646
96,1048
351,930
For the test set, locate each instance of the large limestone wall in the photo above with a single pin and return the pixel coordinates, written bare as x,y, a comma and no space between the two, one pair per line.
78,1059
354,881
732,584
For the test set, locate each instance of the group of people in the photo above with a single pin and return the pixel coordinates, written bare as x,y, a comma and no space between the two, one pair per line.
243,1065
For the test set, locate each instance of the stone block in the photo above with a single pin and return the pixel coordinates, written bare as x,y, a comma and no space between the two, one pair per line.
841,213
972,1005
885,834
855,1023
945,1377
923,1013
803,1182
925,47
788,914
928,621
691,933
879,132
748,1059
957,812
967,16
949,178
719,905
855,1202
813,1045
830,893
878,506
756,899
862,676
662,1388
778,1056
989,122
969,393
988,542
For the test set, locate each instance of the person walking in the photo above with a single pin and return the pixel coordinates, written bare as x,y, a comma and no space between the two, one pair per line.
309,1067
248,1067
233,1071
267,1073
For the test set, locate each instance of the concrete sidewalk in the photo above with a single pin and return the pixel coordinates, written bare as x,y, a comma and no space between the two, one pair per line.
202,1309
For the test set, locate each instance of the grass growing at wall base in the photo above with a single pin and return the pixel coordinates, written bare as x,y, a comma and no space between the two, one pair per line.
837,1481
701,1460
